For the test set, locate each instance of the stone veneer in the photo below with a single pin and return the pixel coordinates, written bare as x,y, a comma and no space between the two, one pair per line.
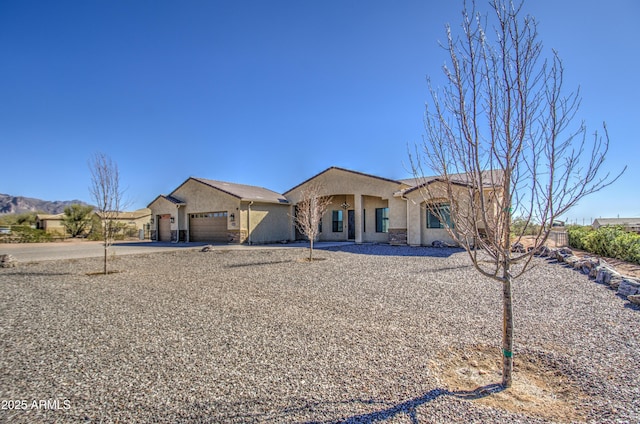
397,236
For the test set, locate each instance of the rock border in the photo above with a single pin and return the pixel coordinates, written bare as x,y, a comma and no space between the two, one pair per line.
596,269
8,261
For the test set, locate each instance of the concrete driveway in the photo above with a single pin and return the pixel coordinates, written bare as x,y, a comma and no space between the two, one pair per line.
76,249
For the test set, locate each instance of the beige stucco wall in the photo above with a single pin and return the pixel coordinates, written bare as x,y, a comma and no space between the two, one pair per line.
418,232
370,204
417,200
267,222
327,233
53,226
363,194
200,198
161,206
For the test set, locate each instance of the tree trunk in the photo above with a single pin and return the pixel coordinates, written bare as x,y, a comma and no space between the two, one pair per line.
105,258
310,249
507,332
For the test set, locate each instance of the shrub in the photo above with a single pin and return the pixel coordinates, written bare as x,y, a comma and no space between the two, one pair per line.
26,234
578,235
613,242
627,247
520,226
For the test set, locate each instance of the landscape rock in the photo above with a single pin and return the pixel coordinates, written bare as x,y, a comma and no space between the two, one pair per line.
634,298
629,287
605,274
572,261
545,251
439,243
566,251
615,281
517,248
587,264
8,261
207,248
561,255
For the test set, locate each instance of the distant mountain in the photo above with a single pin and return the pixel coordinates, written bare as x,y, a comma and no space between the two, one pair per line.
19,204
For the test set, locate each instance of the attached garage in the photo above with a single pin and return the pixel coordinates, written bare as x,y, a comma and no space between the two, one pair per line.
208,226
210,211
164,227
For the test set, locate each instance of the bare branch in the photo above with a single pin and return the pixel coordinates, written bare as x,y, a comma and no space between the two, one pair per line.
499,136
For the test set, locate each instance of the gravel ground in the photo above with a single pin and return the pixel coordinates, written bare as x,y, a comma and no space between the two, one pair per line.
261,336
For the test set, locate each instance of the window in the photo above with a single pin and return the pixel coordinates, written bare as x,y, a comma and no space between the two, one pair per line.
382,220
441,210
337,221
364,220
209,215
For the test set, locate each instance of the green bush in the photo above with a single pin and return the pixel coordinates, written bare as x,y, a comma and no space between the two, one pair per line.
627,247
26,234
522,227
613,242
578,236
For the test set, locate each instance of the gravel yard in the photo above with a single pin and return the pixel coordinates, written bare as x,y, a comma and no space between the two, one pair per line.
369,333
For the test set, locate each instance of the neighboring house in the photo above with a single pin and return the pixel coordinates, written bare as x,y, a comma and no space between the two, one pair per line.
629,224
131,222
51,224
365,208
218,211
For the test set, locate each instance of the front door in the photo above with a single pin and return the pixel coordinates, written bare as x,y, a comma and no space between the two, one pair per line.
351,224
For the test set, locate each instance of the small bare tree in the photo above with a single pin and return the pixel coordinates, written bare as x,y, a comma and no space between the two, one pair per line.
309,211
108,197
498,136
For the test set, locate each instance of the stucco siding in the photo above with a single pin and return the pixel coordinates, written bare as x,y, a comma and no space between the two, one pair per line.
268,223
370,235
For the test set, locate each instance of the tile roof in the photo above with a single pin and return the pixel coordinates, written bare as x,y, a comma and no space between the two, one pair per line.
140,213
345,170
490,178
245,192
172,199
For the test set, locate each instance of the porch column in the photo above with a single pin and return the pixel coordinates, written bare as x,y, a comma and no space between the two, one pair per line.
357,207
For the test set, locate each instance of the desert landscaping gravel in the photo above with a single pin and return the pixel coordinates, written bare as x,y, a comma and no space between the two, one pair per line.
259,335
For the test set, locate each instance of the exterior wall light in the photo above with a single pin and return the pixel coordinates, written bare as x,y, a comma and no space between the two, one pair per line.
345,205
232,216
173,220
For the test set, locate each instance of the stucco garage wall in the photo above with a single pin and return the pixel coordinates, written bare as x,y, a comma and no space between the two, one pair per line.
268,223
201,198
159,207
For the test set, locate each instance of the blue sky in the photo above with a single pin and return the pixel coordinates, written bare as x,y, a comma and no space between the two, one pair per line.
268,93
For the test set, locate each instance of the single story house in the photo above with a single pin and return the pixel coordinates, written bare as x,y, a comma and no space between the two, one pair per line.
629,224
365,209
52,224
134,222
131,222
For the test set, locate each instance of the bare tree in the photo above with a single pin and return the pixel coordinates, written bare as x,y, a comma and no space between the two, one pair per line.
108,196
309,211
498,136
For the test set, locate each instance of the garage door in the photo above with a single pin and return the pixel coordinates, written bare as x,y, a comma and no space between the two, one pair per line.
164,228
208,226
